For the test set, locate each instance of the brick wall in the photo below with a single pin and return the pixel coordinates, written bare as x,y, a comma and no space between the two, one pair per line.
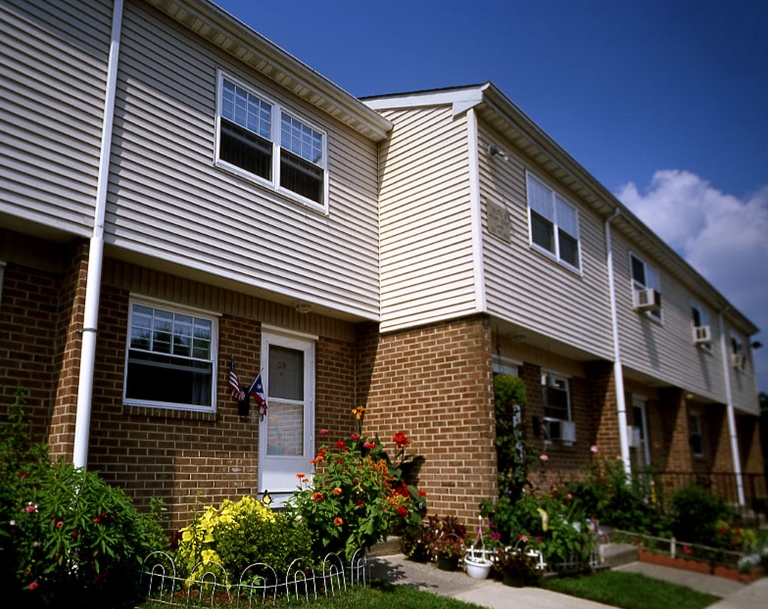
28,325
435,384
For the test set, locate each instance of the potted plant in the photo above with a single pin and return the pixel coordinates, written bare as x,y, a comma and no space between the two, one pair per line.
521,564
478,558
446,541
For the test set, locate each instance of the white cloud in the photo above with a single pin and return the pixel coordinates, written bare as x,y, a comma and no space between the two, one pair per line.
723,237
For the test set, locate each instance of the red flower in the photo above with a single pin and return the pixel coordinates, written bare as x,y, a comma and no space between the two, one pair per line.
323,432
341,444
422,493
33,585
369,445
402,512
317,496
401,440
338,521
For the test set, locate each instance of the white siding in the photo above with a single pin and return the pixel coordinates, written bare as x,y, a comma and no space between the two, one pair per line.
426,232
528,288
53,60
665,350
168,201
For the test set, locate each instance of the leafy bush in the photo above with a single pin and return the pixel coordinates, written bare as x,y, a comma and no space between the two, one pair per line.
241,533
512,454
357,496
696,515
64,530
609,496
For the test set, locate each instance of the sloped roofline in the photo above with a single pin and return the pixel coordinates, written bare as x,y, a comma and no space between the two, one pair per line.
234,37
495,108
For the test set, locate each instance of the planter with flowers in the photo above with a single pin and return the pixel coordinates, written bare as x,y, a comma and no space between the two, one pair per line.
478,558
521,564
445,541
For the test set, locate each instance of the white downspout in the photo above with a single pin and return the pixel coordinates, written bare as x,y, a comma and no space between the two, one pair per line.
96,253
733,436
618,373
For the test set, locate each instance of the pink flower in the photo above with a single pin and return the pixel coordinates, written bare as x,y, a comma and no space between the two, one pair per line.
31,508
59,524
323,432
354,436
569,496
593,449
33,586
369,445
687,549
544,458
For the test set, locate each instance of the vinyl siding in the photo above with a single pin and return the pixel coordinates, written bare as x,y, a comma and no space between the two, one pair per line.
742,382
168,201
526,287
665,350
426,231
53,64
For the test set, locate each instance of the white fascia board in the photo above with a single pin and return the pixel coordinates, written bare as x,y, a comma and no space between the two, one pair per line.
461,99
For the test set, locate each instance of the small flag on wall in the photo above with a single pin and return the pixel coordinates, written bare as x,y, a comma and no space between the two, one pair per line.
234,383
257,393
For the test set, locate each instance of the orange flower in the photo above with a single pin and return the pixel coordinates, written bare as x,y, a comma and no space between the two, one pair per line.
317,497
422,493
338,521
300,475
337,491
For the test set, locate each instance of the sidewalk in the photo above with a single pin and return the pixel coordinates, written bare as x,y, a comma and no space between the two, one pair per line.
494,595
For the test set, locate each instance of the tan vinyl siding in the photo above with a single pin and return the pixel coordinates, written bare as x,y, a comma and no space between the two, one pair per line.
426,245
665,350
528,288
167,200
53,64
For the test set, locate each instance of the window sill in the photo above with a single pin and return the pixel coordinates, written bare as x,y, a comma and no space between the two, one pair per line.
169,413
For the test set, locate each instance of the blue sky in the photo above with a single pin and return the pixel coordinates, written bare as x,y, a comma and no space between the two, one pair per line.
664,102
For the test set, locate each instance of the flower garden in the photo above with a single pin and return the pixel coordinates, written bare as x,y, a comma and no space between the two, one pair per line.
65,535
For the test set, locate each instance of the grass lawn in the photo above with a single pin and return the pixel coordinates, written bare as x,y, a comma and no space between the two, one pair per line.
630,591
379,595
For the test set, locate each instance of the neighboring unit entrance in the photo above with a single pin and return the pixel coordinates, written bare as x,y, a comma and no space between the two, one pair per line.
285,434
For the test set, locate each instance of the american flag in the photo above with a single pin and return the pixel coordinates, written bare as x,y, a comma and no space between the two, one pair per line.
234,383
257,393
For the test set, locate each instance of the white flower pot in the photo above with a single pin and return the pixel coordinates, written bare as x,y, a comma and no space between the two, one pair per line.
477,568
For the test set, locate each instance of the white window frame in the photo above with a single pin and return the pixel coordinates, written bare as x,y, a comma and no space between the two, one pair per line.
554,204
696,428
652,280
275,139
703,321
167,307
736,347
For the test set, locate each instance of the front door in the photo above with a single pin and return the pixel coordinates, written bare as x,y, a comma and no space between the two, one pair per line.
285,434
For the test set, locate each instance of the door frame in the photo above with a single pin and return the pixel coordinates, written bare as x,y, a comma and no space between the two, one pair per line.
288,467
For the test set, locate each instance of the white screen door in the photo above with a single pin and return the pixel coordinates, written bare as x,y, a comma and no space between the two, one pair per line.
286,433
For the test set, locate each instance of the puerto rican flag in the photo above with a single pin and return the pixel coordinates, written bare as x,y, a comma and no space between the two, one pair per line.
257,393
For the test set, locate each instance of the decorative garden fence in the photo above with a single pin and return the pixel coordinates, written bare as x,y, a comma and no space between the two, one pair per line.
259,583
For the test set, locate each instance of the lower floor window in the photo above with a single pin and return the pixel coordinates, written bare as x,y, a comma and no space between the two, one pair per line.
170,358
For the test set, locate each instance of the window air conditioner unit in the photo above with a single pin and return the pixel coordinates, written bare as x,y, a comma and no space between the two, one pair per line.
633,436
702,335
647,299
568,431
737,360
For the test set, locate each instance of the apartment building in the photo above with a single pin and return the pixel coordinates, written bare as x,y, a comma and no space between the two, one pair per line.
178,194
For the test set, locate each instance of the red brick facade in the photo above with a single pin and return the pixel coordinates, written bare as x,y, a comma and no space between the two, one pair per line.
434,383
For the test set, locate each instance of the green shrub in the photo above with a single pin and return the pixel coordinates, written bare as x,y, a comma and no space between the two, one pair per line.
696,515
237,534
65,531
512,454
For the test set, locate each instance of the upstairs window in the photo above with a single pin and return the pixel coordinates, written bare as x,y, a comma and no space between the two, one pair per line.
259,139
738,355
554,223
170,359
702,334
646,290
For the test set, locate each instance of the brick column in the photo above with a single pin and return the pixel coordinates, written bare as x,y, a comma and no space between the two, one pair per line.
61,434
604,418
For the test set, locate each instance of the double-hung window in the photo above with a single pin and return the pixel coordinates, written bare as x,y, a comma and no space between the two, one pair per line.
696,437
170,359
554,223
646,288
257,138
701,330
556,399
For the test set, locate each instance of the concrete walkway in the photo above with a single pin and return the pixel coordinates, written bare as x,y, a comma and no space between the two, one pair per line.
494,595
